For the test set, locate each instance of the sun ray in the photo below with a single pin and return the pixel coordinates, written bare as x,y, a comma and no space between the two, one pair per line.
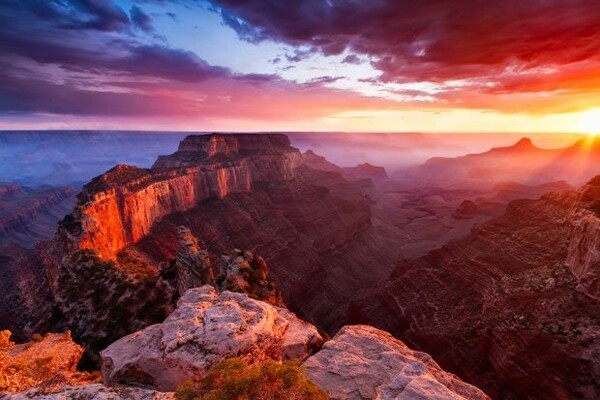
590,122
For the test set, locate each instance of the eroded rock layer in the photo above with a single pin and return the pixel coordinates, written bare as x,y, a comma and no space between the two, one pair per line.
31,214
120,207
512,307
48,363
26,303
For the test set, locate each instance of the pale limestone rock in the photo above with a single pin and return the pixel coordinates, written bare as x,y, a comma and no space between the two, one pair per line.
362,362
206,328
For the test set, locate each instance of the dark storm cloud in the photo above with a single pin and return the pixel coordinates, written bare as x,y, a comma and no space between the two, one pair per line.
434,40
140,19
351,59
51,39
56,56
26,96
168,63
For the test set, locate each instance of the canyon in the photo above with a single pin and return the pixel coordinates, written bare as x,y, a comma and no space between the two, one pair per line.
512,307
28,215
483,279
167,360
523,162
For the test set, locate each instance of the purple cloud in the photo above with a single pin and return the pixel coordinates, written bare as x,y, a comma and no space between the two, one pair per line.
140,19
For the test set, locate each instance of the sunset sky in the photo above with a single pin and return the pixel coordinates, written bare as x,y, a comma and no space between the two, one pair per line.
319,65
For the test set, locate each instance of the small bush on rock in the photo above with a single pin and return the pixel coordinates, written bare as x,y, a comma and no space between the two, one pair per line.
233,379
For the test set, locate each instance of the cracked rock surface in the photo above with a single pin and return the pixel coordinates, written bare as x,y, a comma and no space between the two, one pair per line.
206,328
362,362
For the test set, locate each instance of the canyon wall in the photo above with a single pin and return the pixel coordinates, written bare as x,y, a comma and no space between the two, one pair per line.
512,307
583,256
28,215
120,207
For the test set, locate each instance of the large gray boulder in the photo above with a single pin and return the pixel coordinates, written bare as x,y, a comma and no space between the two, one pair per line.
206,328
362,362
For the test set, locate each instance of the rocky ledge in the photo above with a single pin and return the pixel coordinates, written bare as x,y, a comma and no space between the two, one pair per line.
362,362
207,328
48,363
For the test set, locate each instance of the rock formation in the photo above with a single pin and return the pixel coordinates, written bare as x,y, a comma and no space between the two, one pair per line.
512,307
366,170
48,363
26,303
248,273
467,209
315,161
120,207
362,362
207,327
192,264
102,301
522,162
583,256
323,234
233,191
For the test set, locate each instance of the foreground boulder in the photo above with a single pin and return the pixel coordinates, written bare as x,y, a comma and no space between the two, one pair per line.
49,362
362,362
206,328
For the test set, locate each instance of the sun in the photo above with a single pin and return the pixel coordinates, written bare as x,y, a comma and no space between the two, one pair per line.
590,122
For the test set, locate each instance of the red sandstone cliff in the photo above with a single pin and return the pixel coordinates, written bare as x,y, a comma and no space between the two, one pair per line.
232,191
120,207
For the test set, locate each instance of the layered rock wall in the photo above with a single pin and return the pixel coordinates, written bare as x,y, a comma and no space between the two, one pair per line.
120,207
18,209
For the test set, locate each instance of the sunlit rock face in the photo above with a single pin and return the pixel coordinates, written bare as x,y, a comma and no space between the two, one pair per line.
120,207
362,362
205,149
513,307
206,328
314,228
48,363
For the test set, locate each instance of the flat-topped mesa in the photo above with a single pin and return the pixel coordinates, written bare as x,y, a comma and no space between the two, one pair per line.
206,149
120,207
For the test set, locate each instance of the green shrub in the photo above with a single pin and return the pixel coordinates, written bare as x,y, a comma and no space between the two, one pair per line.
233,379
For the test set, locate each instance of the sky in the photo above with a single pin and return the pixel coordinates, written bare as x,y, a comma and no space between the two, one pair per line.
305,65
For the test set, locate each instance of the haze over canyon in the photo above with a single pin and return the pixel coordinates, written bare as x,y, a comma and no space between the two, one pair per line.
299,200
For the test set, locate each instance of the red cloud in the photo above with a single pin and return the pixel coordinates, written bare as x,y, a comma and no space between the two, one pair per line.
495,47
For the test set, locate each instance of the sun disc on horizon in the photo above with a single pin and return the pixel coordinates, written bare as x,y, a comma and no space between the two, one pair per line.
590,123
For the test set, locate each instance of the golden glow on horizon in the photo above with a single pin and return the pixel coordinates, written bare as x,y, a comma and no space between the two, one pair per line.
590,122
